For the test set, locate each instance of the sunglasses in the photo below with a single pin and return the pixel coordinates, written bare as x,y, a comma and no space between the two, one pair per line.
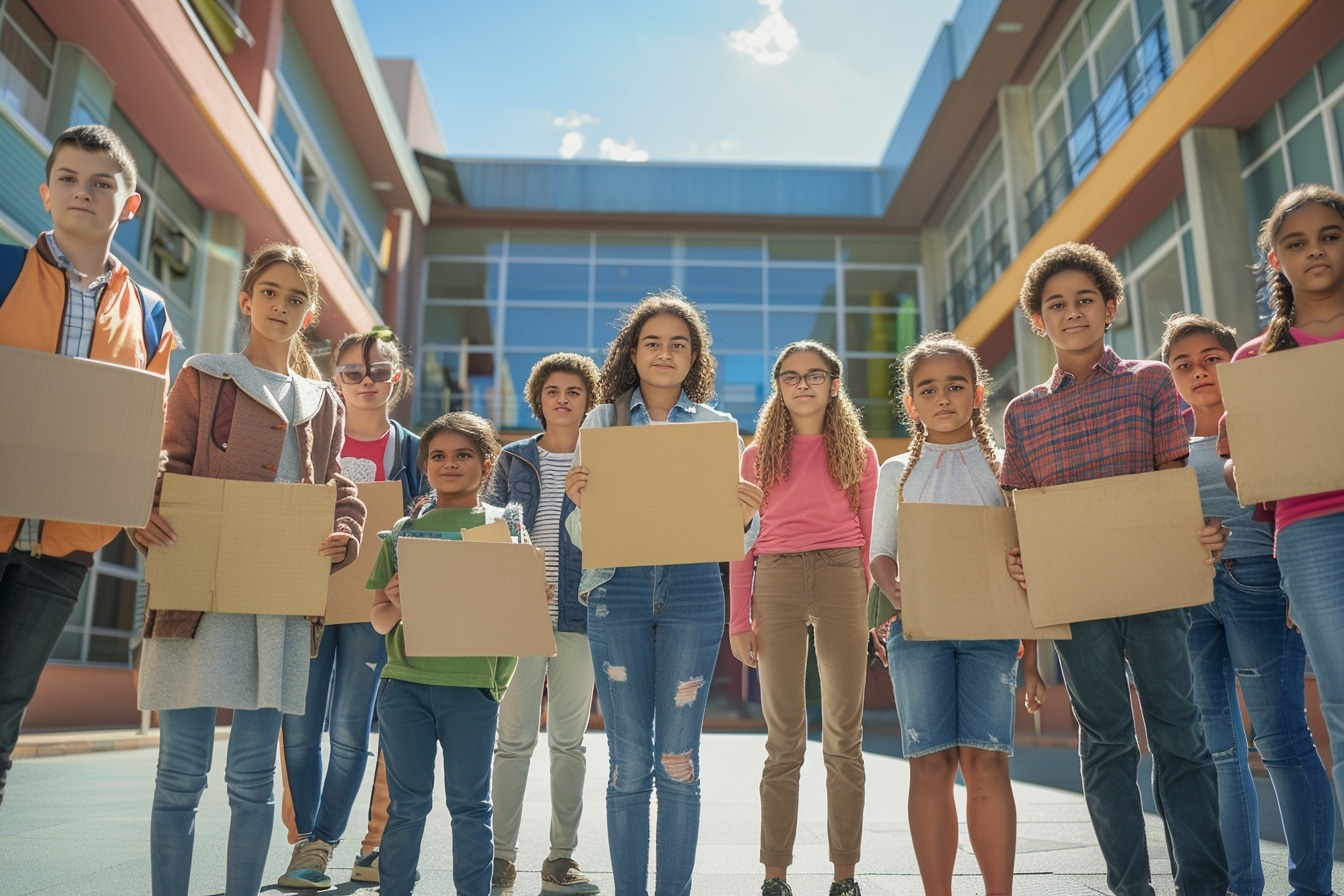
354,374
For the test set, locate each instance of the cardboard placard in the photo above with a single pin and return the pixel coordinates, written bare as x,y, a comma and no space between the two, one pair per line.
661,495
954,575
473,598
1113,547
80,439
1286,437
347,598
493,533
242,547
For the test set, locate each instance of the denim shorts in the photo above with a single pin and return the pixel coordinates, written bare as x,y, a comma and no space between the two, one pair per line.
953,693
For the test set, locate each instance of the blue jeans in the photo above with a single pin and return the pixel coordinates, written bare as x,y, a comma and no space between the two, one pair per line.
413,721
655,633
344,675
1242,637
186,746
37,596
1311,558
1185,784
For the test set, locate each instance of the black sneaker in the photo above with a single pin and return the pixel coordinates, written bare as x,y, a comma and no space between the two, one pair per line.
775,887
847,887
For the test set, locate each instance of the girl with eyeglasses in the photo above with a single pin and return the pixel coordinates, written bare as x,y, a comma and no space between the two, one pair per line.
372,378
809,567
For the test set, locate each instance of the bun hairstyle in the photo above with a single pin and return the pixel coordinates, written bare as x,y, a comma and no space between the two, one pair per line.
388,347
618,371
841,429
266,257
932,345
1281,301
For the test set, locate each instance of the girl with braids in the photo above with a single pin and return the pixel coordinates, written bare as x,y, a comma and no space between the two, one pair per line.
343,677
655,631
954,698
1303,241
809,567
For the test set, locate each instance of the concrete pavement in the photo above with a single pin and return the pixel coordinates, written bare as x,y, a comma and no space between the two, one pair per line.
79,824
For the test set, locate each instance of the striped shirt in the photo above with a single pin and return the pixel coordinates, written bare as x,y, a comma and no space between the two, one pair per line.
545,529
81,309
1125,418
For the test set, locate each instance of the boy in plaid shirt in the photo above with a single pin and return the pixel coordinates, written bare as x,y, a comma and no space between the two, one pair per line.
1100,416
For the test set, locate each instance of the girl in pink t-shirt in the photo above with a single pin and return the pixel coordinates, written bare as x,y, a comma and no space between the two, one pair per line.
1303,240
808,567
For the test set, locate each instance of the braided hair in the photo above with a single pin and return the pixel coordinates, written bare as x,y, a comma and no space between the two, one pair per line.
1281,302
932,345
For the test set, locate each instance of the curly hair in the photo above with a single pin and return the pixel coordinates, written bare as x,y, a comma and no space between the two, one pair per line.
389,347
932,345
841,428
1082,257
618,371
266,257
480,431
1182,324
1279,335
581,366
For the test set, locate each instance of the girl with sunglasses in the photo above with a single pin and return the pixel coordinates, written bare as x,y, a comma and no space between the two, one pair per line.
372,378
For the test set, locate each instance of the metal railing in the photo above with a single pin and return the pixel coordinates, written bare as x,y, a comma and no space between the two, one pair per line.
1144,69
985,268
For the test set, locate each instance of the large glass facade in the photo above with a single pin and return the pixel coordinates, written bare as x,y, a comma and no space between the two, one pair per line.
496,302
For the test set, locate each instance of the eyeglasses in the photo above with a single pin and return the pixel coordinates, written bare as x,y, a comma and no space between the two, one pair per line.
379,372
812,377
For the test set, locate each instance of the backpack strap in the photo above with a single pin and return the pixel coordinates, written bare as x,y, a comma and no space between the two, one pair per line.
11,263
622,407
154,311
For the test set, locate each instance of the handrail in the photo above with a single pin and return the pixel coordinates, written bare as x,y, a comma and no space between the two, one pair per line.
984,269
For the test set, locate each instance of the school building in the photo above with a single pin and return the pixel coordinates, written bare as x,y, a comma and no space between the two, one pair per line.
1161,130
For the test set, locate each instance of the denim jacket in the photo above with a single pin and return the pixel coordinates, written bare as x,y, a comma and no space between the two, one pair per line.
517,478
405,465
684,411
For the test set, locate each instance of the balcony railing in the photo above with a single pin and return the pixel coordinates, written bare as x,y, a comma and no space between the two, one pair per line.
1144,69
986,267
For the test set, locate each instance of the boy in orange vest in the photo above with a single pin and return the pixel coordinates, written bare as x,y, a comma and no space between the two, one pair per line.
67,294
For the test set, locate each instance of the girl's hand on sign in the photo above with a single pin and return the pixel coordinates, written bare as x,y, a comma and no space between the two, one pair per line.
336,545
750,496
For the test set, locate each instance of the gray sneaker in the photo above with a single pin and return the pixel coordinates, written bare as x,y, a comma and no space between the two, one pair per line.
564,876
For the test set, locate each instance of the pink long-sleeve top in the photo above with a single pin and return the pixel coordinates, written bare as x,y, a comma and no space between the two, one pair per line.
806,512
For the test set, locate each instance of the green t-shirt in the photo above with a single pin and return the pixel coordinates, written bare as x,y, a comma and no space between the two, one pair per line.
486,672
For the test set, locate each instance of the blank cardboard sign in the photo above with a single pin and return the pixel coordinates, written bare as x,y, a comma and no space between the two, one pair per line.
473,598
80,439
661,495
954,575
242,547
347,598
1283,424
1113,547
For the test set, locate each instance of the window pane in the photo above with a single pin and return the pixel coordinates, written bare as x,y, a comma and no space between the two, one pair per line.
120,552
1260,137
1160,295
880,289
784,327
1097,14
312,181
618,246
464,242
331,214
741,388
451,324
140,151
869,383
723,249
1048,86
1053,131
1158,231
286,137
802,286
1299,100
1113,48
881,332
68,647
1332,68
129,233
516,412
723,286
1074,46
1307,155
109,649
1147,10
784,248
172,194
548,245
33,28
861,251
462,280
454,381
738,330
172,254
627,284
548,283
24,59
114,602
561,328
1080,95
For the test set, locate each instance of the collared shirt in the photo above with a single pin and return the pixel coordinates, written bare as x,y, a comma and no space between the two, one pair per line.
81,310
1123,419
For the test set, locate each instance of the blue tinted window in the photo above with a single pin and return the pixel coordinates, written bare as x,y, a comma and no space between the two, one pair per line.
723,286
802,286
286,138
723,249
785,327
627,284
548,245
744,330
652,248
548,282
741,387
562,329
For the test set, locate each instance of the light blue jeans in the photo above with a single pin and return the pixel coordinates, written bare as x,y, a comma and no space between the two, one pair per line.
655,633
1242,637
342,684
1311,558
186,747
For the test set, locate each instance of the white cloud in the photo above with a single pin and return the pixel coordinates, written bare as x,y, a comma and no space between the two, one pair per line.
572,120
622,152
570,144
717,150
774,39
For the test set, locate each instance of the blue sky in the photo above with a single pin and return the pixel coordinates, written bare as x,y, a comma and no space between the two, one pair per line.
799,81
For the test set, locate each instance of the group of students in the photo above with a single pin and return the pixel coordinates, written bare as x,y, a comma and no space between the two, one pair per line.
819,527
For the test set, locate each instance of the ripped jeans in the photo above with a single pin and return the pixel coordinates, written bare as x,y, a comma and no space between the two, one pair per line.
655,633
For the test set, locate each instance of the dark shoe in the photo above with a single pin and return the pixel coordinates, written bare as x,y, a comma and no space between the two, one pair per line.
503,876
775,887
564,876
847,887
